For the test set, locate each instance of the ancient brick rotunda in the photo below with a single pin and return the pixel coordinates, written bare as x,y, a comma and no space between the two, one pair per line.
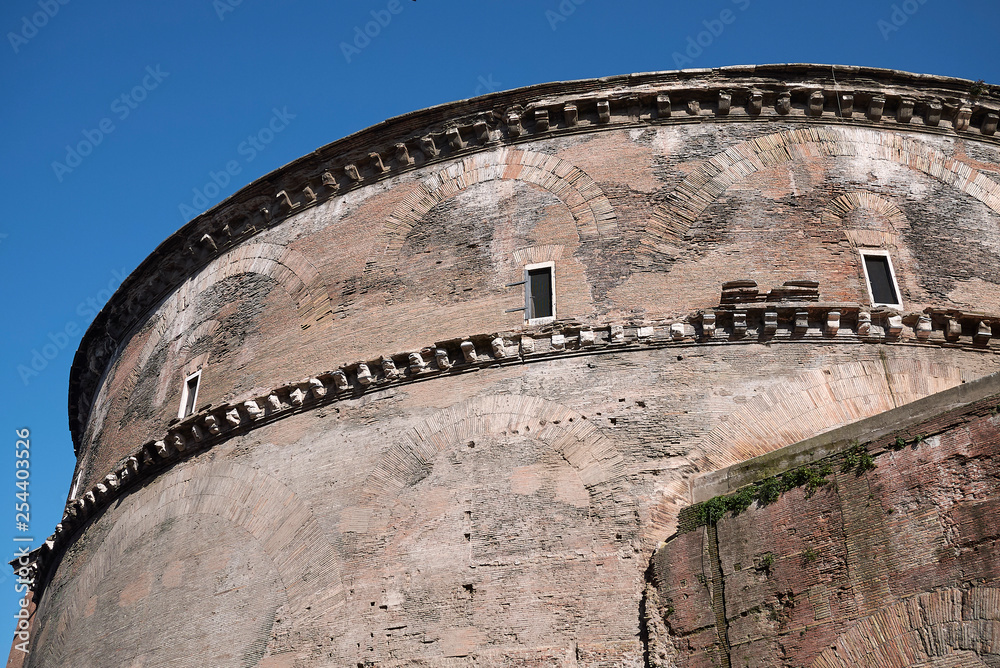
673,369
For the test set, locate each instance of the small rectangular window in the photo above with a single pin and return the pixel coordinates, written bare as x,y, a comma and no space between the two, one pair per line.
881,279
539,292
189,395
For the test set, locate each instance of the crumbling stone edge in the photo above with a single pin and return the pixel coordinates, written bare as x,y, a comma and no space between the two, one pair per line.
728,324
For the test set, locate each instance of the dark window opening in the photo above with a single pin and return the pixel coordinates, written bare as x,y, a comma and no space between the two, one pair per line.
880,279
190,395
540,293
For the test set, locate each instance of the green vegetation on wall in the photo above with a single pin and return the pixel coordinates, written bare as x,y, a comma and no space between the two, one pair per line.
855,459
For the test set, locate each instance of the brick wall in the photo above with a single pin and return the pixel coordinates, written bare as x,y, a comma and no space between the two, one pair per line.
894,567
368,277
502,511
506,512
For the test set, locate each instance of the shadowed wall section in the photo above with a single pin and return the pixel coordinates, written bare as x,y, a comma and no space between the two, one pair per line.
591,210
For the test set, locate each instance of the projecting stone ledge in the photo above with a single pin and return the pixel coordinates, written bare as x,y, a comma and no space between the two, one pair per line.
800,93
729,323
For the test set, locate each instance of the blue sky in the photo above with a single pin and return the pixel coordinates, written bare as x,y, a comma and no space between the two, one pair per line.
165,95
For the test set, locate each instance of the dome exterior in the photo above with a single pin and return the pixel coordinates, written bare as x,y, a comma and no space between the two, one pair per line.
434,393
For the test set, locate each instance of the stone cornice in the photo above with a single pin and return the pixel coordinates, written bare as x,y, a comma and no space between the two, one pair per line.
735,322
794,93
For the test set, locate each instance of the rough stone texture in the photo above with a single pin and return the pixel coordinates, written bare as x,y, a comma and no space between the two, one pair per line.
489,514
447,277
331,503
896,567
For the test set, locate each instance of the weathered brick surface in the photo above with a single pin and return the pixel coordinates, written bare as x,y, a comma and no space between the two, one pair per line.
364,284
897,567
489,514
505,513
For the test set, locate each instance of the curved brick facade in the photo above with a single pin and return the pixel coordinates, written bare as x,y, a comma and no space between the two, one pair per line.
388,464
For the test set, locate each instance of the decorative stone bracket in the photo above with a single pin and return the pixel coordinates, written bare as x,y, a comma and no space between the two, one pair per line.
802,93
729,323
673,104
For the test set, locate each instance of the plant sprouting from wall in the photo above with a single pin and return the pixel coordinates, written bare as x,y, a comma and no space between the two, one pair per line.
765,492
979,88
858,460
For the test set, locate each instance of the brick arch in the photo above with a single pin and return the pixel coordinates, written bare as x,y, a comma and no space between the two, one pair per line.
289,268
834,213
533,254
794,409
592,212
689,200
863,199
270,513
595,457
292,271
207,328
123,394
923,630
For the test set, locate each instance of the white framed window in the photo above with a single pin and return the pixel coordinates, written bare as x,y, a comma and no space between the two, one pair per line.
540,293
76,484
189,394
881,278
